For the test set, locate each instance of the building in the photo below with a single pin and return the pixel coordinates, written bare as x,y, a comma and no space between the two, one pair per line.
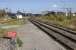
19,15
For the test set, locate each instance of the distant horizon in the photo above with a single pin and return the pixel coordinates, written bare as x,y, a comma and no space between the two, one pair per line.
37,6
10,10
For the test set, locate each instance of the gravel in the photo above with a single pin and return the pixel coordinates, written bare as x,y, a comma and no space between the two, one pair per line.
35,39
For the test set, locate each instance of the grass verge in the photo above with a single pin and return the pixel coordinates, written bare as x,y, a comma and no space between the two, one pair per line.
61,20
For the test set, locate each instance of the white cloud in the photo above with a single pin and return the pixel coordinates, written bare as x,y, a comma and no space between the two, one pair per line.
55,5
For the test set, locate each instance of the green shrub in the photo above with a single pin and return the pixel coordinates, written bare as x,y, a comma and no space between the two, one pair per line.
19,42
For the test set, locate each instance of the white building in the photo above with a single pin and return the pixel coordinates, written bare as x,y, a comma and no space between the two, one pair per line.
19,16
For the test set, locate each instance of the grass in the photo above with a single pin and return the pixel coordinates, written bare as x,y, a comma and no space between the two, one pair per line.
61,20
12,22
3,32
9,22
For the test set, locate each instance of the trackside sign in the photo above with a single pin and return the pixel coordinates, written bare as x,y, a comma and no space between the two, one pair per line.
11,34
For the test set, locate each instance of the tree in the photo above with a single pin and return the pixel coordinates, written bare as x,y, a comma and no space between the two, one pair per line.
2,13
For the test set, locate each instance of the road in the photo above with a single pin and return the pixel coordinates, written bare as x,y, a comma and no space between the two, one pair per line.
35,39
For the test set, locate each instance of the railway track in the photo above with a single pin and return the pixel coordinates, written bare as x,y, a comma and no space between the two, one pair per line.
64,37
62,28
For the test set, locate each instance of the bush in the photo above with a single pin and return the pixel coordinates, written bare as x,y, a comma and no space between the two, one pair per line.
19,42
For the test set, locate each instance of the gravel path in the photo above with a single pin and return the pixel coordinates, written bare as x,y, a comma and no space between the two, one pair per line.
35,39
5,44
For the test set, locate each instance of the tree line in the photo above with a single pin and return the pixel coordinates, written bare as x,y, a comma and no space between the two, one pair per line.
2,13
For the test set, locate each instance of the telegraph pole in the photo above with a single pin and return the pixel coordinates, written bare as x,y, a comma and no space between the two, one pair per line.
69,12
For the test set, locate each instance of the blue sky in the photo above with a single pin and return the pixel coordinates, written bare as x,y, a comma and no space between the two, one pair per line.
36,6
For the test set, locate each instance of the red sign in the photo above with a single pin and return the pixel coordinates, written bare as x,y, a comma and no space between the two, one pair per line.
11,34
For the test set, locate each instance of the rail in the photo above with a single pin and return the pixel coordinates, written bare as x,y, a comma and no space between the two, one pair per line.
66,38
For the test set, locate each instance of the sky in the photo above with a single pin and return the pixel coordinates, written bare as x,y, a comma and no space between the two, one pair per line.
36,6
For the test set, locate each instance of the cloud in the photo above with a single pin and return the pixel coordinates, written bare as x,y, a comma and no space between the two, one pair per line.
55,5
